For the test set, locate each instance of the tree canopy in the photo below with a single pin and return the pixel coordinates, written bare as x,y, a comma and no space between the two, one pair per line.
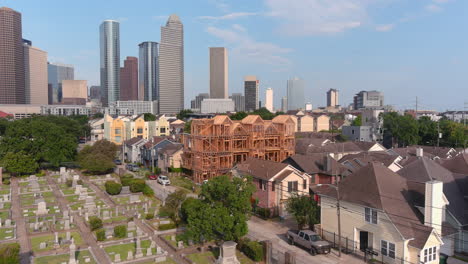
149,117
304,209
98,158
182,115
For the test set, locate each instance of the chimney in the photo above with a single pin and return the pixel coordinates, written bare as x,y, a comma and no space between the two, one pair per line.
419,152
434,205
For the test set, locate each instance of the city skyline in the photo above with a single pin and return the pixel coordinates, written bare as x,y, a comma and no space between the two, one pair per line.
404,67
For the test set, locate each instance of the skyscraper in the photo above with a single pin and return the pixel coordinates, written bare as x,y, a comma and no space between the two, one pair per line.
196,103
35,70
129,80
75,92
332,98
95,92
269,99
251,93
148,72
110,61
56,73
284,104
171,66
239,102
218,73
295,93
12,78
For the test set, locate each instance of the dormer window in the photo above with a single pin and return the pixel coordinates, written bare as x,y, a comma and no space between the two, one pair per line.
370,215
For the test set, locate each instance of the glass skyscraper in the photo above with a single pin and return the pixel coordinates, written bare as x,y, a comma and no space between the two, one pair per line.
148,70
56,73
110,61
295,93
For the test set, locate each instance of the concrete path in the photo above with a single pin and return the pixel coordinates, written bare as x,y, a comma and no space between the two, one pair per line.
17,216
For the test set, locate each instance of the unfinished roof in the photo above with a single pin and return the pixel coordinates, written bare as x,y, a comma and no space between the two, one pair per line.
282,119
262,169
250,119
221,119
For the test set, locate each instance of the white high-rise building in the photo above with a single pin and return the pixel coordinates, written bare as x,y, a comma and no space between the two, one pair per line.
110,61
269,99
171,67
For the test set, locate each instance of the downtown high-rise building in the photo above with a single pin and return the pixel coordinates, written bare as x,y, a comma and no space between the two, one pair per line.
35,71
251,87
269,99
239,102
129,79
218,73
12,77
148,71
110,61
95,92
195,104
332,98
295,93
284,104
56,73
171,66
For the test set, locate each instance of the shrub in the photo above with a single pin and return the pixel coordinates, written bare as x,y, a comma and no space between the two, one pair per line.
163,213
80,182
167,226
9,253
148,191
126,181
6,181
100,235
95,223
252,249
69,183
120,231
113,188
41,173
137,185
172,169
264,213
149,216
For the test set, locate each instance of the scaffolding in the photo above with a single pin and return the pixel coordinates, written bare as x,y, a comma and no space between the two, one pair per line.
215,145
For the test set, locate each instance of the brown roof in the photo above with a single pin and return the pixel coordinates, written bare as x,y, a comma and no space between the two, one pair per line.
154,141
376,186
348,146
315,163
170,149
458,164
133,141
354,162
428,151
262,169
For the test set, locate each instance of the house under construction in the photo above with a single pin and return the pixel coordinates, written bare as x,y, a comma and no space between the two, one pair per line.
215,145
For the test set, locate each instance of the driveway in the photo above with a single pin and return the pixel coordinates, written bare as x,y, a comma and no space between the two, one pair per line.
275,232
161,191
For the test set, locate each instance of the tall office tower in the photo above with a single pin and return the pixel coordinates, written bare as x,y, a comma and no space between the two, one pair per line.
368,99
12,81
269,99
75,92
218,73
129,80
56,73
149,78
251,93
171,67
196,103
284,104
95,92
110,61
35,70
239,101
295,93
332,98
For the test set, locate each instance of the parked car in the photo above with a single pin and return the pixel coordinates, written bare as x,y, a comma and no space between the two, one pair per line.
152,177
308,240
164,180
118,162
132,167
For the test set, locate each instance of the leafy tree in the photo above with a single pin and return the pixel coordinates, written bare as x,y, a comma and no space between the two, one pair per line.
3,125
96,163
19,163
173,203
187,127
427,131
183,114
357,121
137,185
264,113
9,253
100,235
239,115
304,209
113,188
149,117
95,223
120,231
98,115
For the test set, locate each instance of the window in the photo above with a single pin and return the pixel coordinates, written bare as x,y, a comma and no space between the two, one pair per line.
117,131
387,249
304,184
430,254
306,237
139,130
292,186
162,130
371,215
301,234
262,184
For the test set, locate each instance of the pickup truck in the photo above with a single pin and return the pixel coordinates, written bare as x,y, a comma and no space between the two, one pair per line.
309,240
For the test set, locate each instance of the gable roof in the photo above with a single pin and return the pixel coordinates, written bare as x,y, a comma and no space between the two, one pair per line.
458,164
353,162
315,163
133,141
262,169
348,146
170,149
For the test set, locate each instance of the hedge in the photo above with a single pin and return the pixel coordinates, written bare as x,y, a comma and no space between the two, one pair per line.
137,185
120,231
113,188
100,235
148,191
167,226
252,249
95,223
149,216
9,253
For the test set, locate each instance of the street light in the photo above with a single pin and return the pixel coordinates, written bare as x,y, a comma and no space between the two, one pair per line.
337,212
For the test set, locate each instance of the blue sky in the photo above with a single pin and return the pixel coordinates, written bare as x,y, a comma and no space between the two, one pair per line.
405,48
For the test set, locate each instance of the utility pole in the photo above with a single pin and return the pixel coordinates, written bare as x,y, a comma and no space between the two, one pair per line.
438,133
339,218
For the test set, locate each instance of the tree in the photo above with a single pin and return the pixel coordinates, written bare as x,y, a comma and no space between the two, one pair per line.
120,231
183,114
264,113
137,185
96,163
149,117
357,121
173,203
100,235
19,163
9,253
187,127
239,115
304,209
113,188
222,211
95,223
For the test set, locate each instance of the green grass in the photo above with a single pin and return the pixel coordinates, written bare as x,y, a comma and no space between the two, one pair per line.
4,191
49,239
4,234
123,249
58,259
185,183
6,205
168,239
4,215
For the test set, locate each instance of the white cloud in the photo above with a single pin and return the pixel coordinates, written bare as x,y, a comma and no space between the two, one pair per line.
239,27
242,46
433,8
228,16
385,28
311,17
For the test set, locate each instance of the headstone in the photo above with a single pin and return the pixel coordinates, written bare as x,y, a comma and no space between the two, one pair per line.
130,255
34,186
83,194
1,205
105,215
53,219
146,208
8,223
125,190
134,198
139,232
108,176
41,208
130,234
87,260
116,211
71,219
66,214
117,258
139,252
74,183
172,237
63,170
77,188
86,216
72,253
6,197
158,250
160,258
42,245
68,236
131,226
79,211
36,226
228,253
56,240
180,244
164,222
67,224
153,244
149,251
99,211
109,233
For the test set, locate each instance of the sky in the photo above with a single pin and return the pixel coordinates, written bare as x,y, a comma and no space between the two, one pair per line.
404,48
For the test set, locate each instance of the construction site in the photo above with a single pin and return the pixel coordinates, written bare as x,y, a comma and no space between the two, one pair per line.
215,145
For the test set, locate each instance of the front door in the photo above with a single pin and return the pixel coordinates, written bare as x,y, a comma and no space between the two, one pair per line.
363,240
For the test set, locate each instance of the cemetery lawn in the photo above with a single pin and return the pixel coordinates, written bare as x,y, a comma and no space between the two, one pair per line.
168,239
58,259
4,234
168,261
49,239
4,215
208,257
123,249
5,191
